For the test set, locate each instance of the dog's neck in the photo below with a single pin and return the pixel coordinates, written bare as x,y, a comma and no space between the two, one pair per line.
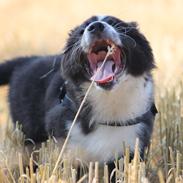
131,98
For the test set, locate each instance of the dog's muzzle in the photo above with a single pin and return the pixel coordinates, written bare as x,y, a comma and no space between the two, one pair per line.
97,37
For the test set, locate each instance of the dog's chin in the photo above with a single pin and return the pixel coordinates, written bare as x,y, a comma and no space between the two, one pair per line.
106,86
111,84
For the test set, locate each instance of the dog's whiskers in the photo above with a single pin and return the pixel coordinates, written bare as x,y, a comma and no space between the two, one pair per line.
124,30
76,50
67,48
128,37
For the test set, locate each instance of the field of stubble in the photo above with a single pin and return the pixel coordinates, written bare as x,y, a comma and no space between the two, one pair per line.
41,27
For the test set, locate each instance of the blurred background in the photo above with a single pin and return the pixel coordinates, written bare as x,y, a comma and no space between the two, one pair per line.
41,27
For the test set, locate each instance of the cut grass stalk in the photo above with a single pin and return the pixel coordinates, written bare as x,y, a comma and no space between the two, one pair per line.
106,174
82,178
21,167
96,178
90,177
110,51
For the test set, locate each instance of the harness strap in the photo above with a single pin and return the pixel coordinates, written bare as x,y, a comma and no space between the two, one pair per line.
67,101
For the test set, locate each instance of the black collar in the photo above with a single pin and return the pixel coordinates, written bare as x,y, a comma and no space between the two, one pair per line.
141,119
67,101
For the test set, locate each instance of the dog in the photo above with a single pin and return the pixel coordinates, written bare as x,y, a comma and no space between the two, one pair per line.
46,91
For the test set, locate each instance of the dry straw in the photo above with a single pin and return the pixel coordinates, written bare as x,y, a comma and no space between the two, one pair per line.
163,164
110,51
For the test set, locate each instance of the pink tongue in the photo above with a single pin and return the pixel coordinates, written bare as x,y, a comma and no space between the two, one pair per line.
105,74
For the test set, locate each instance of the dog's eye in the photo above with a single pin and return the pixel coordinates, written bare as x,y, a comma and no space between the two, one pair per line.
86,24
81,31
110,22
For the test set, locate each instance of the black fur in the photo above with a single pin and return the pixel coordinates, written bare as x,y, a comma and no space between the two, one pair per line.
45,92
137,50
31,98
7,68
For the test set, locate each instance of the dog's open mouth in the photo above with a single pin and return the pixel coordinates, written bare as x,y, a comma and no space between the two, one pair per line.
112,66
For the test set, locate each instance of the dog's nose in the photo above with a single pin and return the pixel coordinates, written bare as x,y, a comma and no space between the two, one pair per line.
96,27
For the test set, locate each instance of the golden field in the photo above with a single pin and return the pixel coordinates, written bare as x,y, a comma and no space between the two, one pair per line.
41,27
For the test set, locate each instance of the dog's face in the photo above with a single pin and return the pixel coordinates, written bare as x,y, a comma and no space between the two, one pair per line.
87,47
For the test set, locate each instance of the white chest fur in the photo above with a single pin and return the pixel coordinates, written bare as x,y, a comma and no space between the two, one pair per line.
129,99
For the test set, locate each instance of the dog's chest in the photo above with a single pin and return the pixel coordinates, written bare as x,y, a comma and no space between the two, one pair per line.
128,100
103,143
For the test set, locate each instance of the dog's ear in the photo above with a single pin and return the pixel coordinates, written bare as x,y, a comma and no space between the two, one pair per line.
133,24
70,32
73,31
72,38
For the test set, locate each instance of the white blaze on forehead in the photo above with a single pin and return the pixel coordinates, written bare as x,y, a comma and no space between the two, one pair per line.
109,33
101,17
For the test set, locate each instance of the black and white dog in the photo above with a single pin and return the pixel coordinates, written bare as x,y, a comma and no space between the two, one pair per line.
45,92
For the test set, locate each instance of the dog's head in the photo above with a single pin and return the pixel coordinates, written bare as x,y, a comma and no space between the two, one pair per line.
87,47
